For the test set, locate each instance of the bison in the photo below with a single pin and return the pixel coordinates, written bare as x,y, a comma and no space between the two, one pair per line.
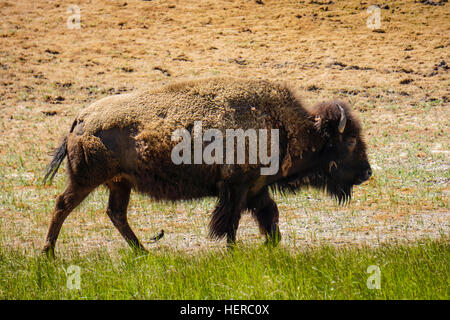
127,142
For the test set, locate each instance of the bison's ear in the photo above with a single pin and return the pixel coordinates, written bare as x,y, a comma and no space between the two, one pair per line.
330,118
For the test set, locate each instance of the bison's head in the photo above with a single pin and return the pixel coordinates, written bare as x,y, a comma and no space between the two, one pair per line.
342,160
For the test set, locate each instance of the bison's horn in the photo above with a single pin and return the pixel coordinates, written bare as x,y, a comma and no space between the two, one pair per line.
342,121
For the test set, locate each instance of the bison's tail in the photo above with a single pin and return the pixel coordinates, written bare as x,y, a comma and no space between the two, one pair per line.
58,156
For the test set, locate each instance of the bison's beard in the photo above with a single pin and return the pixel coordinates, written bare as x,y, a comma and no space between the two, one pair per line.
321,180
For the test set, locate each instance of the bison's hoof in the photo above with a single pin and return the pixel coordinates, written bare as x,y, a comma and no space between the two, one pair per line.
273,240
49,251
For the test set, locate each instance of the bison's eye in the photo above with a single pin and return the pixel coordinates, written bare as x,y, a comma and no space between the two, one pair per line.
351,143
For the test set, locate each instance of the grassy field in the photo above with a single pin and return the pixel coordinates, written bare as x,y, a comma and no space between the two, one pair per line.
418,271
396,78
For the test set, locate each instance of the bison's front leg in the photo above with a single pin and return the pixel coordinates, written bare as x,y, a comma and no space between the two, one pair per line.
265,211
226,215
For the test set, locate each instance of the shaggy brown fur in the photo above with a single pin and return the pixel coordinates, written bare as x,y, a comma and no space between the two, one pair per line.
124,142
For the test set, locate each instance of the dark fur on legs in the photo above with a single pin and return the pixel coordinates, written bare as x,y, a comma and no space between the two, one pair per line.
226,215
265,211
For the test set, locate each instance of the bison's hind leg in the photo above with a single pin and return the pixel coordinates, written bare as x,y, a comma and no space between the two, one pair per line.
265,211
65,203
119,196
88,166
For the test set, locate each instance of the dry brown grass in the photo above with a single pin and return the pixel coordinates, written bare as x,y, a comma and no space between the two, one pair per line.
395,79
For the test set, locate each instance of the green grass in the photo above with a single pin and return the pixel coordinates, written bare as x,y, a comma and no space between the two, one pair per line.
416,271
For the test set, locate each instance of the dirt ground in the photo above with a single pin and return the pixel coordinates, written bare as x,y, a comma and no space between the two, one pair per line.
396,76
